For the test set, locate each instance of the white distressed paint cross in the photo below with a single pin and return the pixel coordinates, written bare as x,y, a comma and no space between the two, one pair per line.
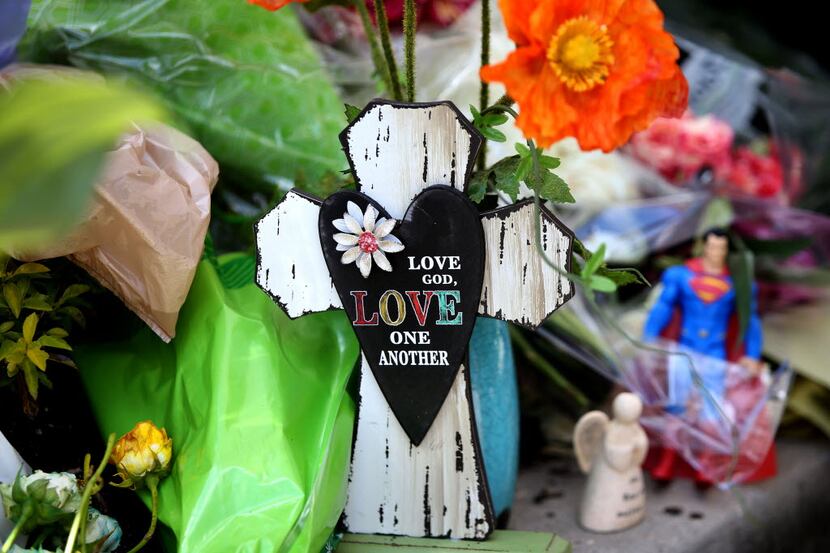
436,489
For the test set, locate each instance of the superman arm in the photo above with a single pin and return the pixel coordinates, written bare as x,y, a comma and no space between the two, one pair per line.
662,311
754,333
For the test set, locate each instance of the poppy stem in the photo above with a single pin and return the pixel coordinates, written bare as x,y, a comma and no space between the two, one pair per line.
371,37
484,91
152,485
28,511
410,22
386,41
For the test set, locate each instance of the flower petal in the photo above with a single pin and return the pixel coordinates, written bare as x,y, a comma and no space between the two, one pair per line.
390,244
382,262
350,255
364,263
353,224
345,239
342,247
340,224
369,218
384,228
354,211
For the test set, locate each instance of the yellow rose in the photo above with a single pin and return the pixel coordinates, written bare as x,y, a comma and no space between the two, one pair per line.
143,451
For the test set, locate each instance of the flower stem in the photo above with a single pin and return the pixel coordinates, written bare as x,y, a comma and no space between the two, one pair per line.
28,511
79,521
374,47
410,23
386,42
152,484
484,91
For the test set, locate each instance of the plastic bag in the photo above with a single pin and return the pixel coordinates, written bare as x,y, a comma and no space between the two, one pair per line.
716,415
256,405
246,81
144,230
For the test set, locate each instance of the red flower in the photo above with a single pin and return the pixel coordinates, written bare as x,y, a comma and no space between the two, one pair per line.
440,12
757,175
274,5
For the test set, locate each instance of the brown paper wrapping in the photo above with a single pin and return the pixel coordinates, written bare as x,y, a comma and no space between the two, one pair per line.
146,228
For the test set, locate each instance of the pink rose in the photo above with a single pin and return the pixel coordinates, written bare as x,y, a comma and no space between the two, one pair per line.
754,174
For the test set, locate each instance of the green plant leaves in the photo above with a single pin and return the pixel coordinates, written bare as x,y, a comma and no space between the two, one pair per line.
14,298
486,124
53,137
351,112
29,327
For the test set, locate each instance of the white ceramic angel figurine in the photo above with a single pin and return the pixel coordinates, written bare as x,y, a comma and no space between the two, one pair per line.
611,453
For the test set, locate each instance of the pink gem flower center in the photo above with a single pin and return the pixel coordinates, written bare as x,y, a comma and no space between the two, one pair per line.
367,242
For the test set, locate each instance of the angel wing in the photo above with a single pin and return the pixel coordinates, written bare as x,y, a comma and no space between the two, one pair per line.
588,436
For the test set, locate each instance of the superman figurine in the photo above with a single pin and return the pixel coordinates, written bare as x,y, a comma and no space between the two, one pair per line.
697,308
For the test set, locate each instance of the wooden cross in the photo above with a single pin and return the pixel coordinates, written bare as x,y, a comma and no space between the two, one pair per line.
434,486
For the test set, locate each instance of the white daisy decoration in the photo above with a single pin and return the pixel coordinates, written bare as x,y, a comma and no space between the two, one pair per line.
363,237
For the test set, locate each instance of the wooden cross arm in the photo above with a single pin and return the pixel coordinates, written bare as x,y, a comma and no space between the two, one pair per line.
290,264
519,286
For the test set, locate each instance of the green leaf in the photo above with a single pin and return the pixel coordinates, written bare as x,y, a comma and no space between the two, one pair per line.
30,374
38,302
58,332
523,170
494,119
6,348
13,297
29,327
75,314
622,277
522,149
5,327
601,284
493,134
53,342
73,291
351,112
549,162
594,262
30,269
62,359
53,137
477,187
555,189
742,270
504,176
38,357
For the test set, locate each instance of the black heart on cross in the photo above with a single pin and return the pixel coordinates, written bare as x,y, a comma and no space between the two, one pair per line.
413,322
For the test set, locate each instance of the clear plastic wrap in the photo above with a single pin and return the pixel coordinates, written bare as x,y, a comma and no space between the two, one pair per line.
246,82
716,415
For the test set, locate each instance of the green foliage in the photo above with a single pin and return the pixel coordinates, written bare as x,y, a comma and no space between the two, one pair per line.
34,317
596,275
487,123
53,137
507,174
351,112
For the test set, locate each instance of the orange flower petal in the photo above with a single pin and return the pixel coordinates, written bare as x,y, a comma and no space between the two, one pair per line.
644,81
516,15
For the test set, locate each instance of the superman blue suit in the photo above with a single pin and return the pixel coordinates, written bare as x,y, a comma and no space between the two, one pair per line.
698,310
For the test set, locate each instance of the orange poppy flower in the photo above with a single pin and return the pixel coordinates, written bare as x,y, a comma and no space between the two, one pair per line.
597,70
274,5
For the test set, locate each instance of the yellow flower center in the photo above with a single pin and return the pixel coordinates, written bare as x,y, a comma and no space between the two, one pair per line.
580,53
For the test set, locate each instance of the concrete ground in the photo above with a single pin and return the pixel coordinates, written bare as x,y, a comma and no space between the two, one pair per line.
790,513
